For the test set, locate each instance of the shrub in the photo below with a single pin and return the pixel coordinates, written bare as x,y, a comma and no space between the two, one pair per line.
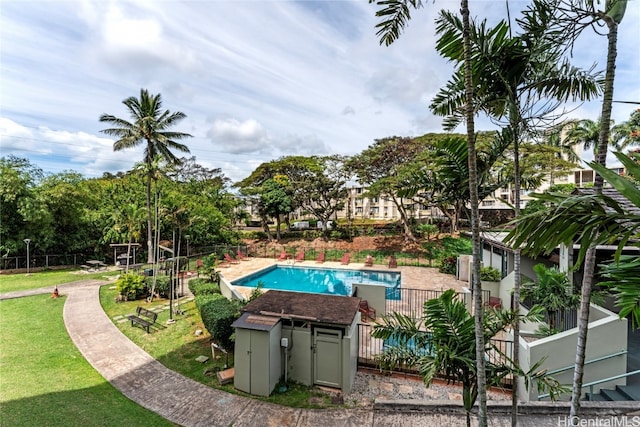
209,264
203,286
456,246
131,286
427,230
162,285
490,274
218,313
448,265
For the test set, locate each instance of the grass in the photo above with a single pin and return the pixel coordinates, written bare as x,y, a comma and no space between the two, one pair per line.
45,379
46,279
176,346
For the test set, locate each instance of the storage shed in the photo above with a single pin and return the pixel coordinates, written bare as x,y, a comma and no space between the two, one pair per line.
307,338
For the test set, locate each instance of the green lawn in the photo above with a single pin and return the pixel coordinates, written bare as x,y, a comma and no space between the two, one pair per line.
45,379
47,279
176,346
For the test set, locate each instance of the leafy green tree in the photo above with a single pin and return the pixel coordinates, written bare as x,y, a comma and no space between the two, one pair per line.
321,189
130,217
275,199
18,182
519,80
384,167
149,126
446,178
289,169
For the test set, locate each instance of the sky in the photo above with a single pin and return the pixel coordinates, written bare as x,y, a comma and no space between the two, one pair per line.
257,79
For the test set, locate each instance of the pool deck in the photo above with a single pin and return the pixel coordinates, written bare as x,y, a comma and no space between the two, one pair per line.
411,277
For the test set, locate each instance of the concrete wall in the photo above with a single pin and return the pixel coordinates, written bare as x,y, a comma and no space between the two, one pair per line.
229,291
374,294
607,335
494,290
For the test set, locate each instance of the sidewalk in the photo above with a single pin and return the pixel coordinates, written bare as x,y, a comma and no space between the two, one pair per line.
189,403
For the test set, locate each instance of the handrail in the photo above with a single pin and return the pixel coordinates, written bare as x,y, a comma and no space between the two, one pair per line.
592,383
597,359
617,377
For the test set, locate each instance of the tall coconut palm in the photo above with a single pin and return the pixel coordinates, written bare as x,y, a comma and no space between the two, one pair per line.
395,17
148,126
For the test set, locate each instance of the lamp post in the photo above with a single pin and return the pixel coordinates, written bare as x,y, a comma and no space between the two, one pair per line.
187,237
27,241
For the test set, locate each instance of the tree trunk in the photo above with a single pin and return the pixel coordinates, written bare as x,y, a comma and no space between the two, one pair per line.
149,228
265,227
590,257
408,234
475,223
278,227
515,122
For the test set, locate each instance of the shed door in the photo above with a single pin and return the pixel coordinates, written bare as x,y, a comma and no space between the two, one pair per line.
327,357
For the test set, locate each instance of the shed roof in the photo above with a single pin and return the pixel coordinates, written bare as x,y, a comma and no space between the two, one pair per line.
256,321
338,310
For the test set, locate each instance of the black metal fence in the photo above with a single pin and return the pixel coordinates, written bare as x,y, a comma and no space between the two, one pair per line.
411,301
39,261
562,319
380,258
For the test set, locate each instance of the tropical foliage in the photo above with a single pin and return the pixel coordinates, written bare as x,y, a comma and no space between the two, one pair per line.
553,292
149,126
442,343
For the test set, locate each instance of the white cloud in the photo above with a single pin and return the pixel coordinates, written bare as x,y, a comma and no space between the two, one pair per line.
257,80
237,137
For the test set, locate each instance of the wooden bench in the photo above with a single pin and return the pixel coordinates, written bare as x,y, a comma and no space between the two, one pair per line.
144,318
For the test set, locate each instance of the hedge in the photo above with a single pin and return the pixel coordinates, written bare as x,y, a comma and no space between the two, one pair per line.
218,313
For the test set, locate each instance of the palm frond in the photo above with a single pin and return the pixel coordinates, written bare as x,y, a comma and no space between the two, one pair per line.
395,15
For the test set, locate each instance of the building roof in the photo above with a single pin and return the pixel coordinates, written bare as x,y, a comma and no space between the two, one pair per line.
332,309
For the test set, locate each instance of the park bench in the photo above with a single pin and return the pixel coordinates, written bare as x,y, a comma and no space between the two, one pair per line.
143,317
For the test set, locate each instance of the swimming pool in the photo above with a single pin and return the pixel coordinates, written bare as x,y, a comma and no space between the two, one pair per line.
318,280
424,350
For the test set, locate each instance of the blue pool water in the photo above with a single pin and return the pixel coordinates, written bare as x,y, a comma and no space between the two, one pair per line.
394,342
318,280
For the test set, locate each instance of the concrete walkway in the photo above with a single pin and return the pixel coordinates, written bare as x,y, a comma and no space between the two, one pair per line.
189,403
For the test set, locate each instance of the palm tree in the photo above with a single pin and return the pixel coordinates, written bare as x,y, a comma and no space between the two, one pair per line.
443,343
627,133
584,132
553,291
519,79
131,217
149,126
396,14
573,17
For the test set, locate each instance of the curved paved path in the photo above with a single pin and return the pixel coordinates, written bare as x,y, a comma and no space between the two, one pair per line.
188,403
177,398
